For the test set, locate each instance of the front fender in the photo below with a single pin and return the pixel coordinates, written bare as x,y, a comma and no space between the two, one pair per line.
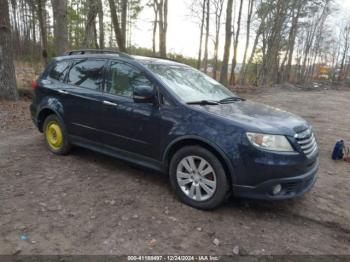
201,140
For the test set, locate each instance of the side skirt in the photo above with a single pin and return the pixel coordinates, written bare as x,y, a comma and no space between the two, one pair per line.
127,156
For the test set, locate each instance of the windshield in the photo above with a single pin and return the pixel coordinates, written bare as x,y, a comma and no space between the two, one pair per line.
189,84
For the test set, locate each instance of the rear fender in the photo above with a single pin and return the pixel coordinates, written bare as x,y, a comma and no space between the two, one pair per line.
49,106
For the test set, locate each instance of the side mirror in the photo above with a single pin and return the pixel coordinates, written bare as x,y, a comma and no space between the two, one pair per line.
144,94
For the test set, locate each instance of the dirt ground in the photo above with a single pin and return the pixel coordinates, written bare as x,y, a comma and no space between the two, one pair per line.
88,203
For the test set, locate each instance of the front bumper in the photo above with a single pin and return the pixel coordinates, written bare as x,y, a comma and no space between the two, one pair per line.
291,186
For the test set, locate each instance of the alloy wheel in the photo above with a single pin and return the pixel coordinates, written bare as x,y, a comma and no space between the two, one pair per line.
196,178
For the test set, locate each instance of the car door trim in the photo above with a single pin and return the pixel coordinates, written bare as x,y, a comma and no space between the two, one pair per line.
124,155
110,133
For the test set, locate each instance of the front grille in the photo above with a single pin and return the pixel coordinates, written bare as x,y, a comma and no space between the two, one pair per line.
307,141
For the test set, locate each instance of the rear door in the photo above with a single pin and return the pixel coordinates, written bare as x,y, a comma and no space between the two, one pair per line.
129,126
85,82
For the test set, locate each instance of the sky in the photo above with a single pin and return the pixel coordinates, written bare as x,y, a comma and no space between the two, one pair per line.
183,31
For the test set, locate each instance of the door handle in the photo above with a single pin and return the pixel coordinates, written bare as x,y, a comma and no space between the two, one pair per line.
63,92
109,103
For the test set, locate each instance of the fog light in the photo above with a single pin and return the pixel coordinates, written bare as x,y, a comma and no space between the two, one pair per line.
277,189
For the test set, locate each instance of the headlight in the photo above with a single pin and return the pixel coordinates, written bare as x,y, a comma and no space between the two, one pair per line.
270,142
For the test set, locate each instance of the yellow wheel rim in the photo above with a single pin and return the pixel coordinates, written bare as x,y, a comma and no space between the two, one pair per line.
54,135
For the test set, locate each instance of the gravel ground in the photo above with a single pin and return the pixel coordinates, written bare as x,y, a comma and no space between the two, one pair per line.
88,203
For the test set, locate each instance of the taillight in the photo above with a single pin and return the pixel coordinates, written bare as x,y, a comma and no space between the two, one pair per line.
35,85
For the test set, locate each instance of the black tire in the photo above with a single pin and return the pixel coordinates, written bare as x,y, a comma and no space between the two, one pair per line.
65,147
222,184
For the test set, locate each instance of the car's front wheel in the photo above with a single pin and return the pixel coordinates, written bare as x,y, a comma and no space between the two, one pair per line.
198,177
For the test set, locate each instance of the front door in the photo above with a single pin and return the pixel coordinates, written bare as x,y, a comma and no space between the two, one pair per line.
129,126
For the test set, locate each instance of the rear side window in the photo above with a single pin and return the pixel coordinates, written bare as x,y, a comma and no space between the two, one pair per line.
124,78
88,73
58,72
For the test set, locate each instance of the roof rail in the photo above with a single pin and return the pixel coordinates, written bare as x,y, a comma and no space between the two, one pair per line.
97,51
164,58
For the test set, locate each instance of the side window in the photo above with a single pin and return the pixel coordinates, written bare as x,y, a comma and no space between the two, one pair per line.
58,72
87,73
124,78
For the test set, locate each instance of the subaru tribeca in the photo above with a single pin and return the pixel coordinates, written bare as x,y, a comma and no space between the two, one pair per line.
169,117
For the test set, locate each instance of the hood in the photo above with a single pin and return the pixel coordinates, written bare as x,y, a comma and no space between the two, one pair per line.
258,117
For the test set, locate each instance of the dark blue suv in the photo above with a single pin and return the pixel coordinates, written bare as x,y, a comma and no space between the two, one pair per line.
172,118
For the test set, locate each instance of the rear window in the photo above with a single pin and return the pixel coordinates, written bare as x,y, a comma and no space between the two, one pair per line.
59,70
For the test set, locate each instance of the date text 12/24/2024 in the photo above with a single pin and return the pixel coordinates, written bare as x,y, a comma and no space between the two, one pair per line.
173,258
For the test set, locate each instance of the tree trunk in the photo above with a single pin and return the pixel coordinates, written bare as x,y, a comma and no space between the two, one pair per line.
15,21
345,51
234,60
117,30
256,41
124,6
250,12
60,12
8,86
271,58
155,24
41,4
90,29
218,13
199,61
228,41
162,6
205,61
292,39
101,24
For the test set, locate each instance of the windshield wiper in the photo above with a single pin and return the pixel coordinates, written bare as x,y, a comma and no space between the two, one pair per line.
203,103
231,99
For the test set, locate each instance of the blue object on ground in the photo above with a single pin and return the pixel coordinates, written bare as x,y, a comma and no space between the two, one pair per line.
24,237
338,150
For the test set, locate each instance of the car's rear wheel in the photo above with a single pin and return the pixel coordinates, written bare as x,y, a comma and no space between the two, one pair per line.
56,136
198,177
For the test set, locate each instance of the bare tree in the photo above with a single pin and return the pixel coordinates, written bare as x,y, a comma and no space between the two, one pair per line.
218,7
346,46
263,11
207,32
311,33
101,24
124,15
198,14
249,20
59,8
228,41
8,86
235,45
90,40
162,6
296,13
203,7
272,43
41,11
154,6
119,34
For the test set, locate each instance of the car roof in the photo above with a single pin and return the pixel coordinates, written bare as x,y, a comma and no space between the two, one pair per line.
156,60
144,60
